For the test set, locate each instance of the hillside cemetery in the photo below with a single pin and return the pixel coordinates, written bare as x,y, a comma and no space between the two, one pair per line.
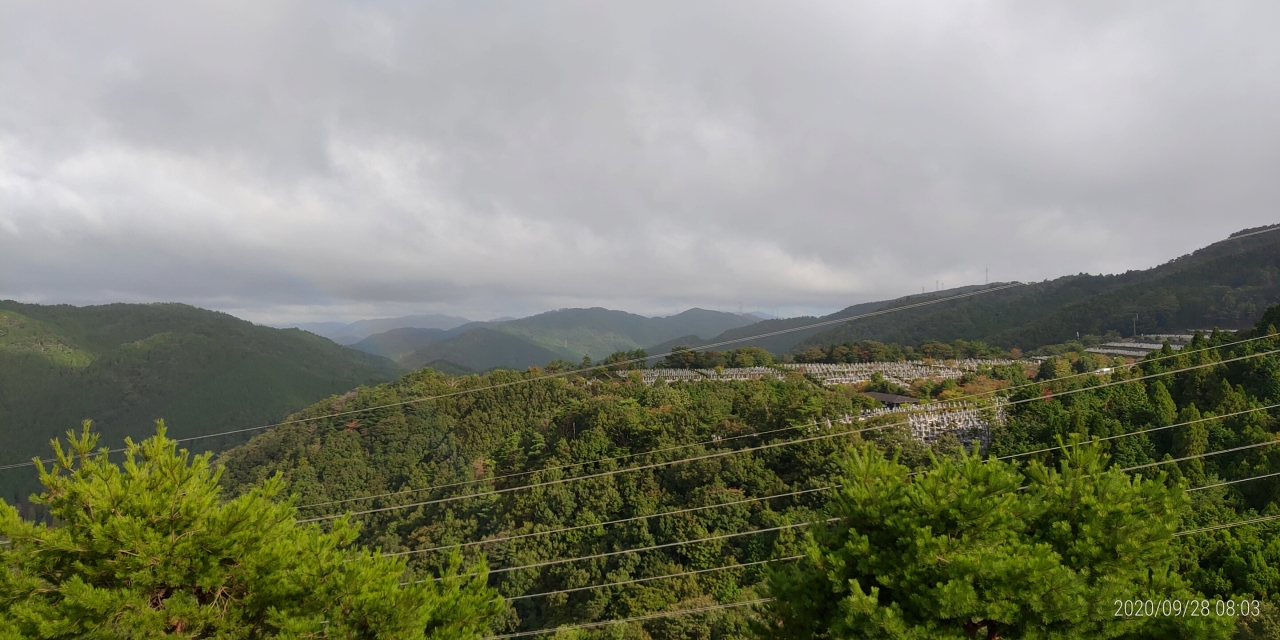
967,421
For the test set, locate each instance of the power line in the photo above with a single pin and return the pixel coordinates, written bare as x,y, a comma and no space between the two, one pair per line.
718,454
758,448
1141,431
562,374
1229,525
651,578
559,467
1202,455
801,492
725,439
604,524
829,520
792,526
1253,233
666,614
750,602
1222,484
619,552
651,616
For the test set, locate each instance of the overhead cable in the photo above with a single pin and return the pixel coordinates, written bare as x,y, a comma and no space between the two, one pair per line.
651,616
682,574
562,374
728,438
1223,484
756,448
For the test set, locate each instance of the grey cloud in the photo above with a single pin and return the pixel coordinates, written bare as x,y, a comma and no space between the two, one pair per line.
480,158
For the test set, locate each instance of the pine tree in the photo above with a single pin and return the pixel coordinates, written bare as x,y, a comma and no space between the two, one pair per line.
149,548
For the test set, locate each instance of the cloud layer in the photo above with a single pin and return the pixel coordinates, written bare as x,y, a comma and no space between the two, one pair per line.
308,160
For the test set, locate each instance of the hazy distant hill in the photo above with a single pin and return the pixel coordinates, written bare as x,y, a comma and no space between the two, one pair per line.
598,332
1227,284
480,349
350,333
397,343
784,342
125,365
567,334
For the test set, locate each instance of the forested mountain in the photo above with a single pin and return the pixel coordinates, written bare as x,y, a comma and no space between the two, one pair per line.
598,332
125,365
482,349
565,334
602,422
1227,284
783,343
398,343
352,332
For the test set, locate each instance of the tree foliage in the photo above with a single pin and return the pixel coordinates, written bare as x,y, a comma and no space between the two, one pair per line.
149,548
972,548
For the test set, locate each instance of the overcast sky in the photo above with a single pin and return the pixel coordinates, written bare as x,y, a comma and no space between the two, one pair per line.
313,161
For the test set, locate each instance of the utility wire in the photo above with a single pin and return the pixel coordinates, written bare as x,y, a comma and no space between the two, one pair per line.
1252,233
800,492
762,600
1202,455
761,433
753,602
792,526
559,467
760,447
1229,525
604,524
651,578
651,616
619,552
1221,484
1141,431
828,520
562,374
709,456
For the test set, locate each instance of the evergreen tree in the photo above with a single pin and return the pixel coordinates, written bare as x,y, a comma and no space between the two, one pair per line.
961,551
150,549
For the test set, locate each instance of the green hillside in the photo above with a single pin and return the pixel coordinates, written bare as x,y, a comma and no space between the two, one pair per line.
125,365
1227,284
507,427
599,332
567,334
480,350
398,343
348,333
785,342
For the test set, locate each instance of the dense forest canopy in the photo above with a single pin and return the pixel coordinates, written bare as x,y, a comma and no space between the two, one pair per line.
543,431
770,507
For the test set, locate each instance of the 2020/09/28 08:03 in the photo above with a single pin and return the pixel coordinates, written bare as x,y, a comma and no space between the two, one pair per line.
1187,608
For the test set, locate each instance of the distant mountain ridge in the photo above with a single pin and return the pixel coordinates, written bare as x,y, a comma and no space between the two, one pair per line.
352,332
566,334
1227,284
